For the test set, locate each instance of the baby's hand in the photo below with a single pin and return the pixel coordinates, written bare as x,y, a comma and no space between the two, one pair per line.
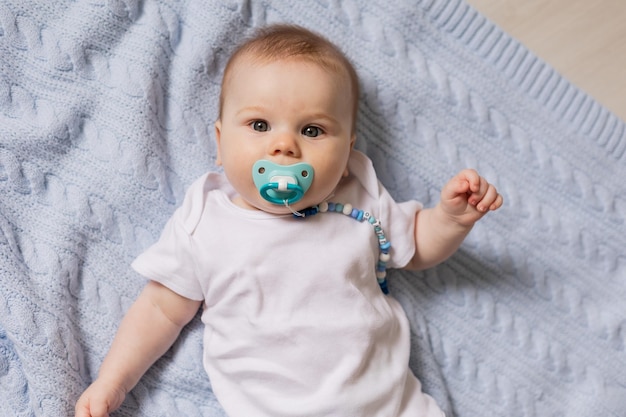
467,197
99,400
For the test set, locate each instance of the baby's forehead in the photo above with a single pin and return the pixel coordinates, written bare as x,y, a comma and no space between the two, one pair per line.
333,67
250,61
339,73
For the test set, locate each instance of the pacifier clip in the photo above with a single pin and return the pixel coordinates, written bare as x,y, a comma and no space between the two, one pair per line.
286,184
361,216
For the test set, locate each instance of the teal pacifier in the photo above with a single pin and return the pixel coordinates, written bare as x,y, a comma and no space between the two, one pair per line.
282,184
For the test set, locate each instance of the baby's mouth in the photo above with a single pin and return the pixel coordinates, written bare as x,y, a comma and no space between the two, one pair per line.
282,184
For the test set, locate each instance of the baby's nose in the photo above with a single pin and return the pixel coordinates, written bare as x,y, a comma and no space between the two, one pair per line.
285,144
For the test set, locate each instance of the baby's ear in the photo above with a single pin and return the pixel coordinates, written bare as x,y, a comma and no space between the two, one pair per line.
218,138
346,172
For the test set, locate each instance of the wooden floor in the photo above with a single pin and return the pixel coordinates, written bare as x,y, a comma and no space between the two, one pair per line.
584,40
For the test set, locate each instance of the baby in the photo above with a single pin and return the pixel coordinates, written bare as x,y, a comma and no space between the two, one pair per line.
287,251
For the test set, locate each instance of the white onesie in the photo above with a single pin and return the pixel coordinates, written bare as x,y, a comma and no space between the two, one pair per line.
295,321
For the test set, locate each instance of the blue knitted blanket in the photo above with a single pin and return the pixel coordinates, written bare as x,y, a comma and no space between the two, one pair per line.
106,115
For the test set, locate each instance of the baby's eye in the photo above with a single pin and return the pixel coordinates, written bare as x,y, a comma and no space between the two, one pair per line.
312,131
260,126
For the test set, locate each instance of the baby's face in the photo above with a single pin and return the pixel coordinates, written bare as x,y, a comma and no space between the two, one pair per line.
288,111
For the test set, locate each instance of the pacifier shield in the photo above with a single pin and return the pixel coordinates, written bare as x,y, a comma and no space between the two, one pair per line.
282,184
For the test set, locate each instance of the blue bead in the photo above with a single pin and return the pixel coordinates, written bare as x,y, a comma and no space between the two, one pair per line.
360,215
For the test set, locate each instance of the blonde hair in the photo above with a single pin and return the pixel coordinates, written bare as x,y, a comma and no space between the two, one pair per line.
284,41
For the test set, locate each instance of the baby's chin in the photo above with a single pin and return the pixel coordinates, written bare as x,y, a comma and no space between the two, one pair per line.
266,206
278,209
282,209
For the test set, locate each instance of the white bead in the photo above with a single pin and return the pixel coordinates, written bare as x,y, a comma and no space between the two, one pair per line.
384,257
323,207
347,209
381,274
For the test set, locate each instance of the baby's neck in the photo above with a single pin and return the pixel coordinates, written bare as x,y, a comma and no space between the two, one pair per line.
240,202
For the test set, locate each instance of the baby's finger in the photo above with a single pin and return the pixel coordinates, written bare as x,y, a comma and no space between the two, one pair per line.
473,179
488,199
82,408
99,409
455,187
479,192
497,204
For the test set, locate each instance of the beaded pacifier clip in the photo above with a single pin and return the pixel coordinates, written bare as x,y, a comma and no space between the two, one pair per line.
286,184
383,244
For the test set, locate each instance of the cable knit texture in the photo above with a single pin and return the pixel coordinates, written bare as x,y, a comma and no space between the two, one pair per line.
106,115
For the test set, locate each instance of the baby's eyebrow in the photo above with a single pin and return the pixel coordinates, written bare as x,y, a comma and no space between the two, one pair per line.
323,116
250,109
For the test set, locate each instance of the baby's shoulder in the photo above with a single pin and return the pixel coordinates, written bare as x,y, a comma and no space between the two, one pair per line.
197,195
362,174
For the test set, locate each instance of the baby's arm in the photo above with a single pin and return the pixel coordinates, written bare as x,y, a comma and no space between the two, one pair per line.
439,231
150,327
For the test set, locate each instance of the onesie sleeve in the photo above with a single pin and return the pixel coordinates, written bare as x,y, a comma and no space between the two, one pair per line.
398,221
170,261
